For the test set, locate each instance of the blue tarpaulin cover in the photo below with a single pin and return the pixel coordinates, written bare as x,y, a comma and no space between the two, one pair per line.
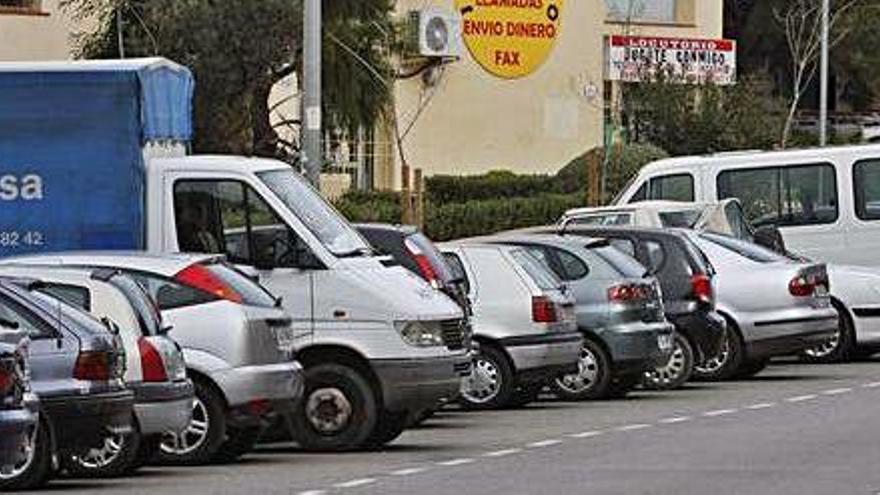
71,149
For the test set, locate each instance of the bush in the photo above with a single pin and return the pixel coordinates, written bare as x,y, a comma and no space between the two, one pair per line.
370,206
482,217
495,184
625,162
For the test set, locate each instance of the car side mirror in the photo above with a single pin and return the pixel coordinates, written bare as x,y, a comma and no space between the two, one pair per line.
770,237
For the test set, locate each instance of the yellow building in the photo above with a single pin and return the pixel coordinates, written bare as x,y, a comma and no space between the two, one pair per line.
465,119
33,30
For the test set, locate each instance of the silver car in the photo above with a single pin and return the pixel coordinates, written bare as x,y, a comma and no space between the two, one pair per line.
523,319
775,306
236,341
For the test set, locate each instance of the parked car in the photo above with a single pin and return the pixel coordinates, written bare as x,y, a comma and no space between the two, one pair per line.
155,369
76,371
237,344
686,280
524,321
823,200
774,306
619,312
18,405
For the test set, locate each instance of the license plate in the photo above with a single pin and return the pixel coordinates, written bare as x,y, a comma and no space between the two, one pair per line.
664,342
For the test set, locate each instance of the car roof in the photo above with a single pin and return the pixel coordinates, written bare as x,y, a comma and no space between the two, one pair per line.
46,272
221,162
547,239
163,264
655,205
587,230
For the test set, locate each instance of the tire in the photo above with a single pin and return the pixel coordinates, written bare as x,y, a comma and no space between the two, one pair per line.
491,384
117,457
238,443
338,411
751,368
677,371
200,442
593,378
725,365
36,470
388,428
837,349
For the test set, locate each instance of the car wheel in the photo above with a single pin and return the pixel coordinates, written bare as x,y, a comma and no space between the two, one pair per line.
837,348
677,370
36,468
239,441
202,438
491,382
725,364
592,379
388,428
116,457
338,411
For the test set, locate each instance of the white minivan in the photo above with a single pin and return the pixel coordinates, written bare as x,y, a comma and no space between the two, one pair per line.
826,201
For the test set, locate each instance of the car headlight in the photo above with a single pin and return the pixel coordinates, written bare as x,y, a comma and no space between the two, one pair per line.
420,333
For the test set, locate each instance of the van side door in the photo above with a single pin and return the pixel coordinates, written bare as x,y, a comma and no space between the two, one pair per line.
864,237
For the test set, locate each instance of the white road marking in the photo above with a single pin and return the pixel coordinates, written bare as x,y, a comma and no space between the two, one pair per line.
761,405
313,492
802,398
408,471
639,426
871,385
456,462
502,453
586,434
543,443
673,420
719,412
355,483
837,391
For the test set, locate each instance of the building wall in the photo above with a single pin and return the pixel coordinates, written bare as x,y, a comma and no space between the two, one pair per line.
41,33
471,122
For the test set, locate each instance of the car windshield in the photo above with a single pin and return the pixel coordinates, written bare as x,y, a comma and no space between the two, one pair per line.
628,266
745,249
315,213
680,219
537,270
62,311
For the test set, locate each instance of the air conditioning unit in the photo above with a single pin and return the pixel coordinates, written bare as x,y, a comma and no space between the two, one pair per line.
435,32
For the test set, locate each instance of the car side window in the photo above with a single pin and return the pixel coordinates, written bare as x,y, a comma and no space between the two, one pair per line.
675,187
458,272
229,217
14,313
656,256
76,296
866,181
625,245
572,267
169,294
640,195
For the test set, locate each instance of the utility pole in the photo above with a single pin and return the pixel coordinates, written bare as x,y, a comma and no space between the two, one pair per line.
311,136
823,76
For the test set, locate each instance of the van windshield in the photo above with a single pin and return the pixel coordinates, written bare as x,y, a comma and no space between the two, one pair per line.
337,235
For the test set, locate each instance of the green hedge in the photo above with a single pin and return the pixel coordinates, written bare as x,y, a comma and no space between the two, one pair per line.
370,206
492,185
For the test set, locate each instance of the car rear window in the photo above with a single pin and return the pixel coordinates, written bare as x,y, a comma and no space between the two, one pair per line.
542,275
745,249
680,219
252,293
435,257
624,264
147,315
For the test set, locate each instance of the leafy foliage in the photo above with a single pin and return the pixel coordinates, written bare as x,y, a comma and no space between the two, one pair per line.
495,184
624,162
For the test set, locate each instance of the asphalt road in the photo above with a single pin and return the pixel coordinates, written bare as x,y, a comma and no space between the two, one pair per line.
793,429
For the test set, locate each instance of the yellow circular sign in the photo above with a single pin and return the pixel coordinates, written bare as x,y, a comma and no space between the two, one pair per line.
510,38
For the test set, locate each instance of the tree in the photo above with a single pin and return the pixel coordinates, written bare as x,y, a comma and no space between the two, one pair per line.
238,51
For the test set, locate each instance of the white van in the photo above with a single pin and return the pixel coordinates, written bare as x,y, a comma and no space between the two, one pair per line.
826,201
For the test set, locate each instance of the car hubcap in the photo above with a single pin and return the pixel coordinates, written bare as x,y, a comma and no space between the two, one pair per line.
193,436
826,348
484,382
102,456
714,364
672,370
585,378
29,452
328,410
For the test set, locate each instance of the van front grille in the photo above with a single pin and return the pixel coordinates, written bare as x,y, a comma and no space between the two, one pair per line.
455,334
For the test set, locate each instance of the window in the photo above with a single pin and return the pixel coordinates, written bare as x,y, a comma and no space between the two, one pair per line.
866,181
252,293
572,266
148,318
656,256
228,217
78,297
603,219
641,10
15,314
458,271
625,245
536,269
685,219
20,5
785,196
169,294
745,249
678,187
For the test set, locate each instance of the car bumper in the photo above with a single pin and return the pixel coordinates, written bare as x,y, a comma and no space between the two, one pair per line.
542,354
415,384
163,407
84,421
272,382
635,347
799,336
705,329
14,427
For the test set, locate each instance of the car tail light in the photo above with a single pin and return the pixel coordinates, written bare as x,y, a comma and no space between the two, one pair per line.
702,288
543,310
152,364
7,377
199,277
93,366
627,293
422,262
806,282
